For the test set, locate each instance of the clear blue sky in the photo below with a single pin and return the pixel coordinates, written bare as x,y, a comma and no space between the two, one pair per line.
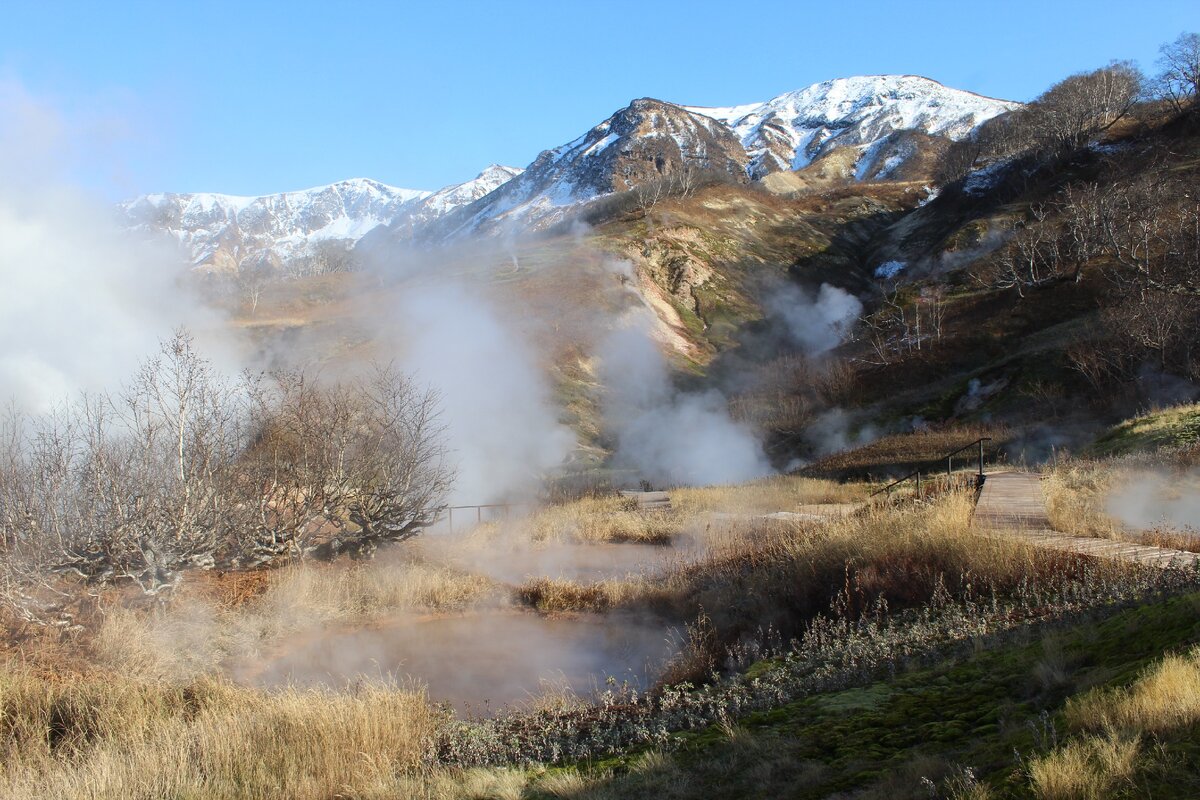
258,97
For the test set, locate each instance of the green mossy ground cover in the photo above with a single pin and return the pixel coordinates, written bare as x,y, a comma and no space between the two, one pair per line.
1171,427
984,712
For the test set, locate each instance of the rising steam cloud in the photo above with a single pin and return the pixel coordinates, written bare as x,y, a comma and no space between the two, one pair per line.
500,422
1154,499
82,303
816,322
670,437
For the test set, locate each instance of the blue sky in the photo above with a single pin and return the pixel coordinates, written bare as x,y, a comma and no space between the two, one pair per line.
251,98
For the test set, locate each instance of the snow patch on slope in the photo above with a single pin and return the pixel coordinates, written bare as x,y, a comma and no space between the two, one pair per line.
791,130
223,231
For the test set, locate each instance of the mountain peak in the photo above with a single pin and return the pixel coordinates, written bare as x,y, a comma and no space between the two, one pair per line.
790,131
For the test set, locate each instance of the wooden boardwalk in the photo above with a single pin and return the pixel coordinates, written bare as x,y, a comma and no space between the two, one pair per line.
1012,504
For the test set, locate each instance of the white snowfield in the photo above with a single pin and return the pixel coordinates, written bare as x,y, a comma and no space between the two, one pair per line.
222,230
789,131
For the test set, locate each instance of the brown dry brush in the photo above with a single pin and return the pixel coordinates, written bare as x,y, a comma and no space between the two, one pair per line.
788,574
113,735
188,469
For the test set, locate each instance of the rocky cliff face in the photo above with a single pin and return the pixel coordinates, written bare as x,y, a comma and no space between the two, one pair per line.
647,141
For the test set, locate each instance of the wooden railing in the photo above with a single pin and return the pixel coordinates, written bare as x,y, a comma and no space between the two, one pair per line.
949,457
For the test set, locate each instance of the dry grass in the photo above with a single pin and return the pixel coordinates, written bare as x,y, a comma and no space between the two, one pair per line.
600,519
780,573
1075,499
329,591
1088,769
116,737
900,453
1164,699
614,519
194,636
781,493
154,725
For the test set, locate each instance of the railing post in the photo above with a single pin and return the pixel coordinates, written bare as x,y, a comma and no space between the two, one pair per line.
949,466
918,484
981,459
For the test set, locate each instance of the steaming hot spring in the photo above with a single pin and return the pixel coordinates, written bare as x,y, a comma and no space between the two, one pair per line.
492,652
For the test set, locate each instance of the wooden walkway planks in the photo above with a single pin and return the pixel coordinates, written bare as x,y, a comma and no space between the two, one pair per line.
1012,500
649,501
1012,504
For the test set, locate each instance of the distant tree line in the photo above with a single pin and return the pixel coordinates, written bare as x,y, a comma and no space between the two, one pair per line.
1077,110
186,468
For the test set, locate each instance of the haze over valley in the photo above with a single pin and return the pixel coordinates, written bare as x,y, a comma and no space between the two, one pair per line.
842,444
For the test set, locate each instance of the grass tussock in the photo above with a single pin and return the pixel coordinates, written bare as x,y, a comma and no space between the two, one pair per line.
1075,499
1088,769
780,493
1164,699
336,592
615,519
117,737
600,519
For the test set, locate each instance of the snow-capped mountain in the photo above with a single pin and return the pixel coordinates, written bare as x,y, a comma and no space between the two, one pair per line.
223,231
792,130
647,140
416,215
883,127
228,232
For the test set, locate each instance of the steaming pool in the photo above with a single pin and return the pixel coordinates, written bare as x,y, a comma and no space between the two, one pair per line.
480,661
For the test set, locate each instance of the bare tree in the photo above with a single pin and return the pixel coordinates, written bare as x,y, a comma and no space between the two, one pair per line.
188,469
343,467
252,280
1033,258
1179,79
1079,108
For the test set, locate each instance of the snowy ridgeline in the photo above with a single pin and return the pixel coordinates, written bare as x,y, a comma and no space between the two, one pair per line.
751,140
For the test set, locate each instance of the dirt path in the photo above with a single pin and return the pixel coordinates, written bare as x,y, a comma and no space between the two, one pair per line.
1012,504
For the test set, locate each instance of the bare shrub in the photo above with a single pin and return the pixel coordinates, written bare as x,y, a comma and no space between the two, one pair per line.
185,468
1179,80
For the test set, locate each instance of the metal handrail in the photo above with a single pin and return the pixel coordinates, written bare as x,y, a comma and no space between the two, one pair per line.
479,507
916,473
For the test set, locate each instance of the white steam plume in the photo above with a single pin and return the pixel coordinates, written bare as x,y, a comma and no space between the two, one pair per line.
670,437
1154,499
82,303
497,408
818,323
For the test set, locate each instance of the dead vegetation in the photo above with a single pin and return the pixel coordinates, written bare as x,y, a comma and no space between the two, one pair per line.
151,717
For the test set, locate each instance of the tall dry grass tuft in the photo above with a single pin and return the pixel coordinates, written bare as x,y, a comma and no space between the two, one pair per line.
612,518
1089,769
1165,698
1075,498
779,574
779,493
116,737
332,591
600,519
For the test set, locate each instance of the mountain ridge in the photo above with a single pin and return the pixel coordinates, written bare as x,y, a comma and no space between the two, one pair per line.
880,124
